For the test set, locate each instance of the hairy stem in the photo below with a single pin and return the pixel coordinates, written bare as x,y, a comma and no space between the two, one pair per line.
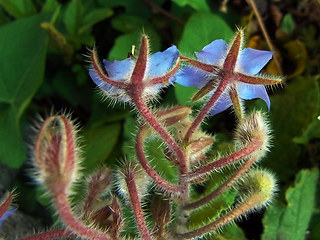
205,110
167,186
224,187
66,215
136,206
150,118
52,234
253,146
241,209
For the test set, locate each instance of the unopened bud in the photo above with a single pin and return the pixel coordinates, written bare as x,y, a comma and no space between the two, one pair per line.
161,212
259,186
98,183
56,152
173,115
253,128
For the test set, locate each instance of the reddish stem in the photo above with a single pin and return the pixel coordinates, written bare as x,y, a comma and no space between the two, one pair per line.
203,113
253,146
150,118
224,187
66,215
167,186
164,79
53,234
203,66
98,69
136,206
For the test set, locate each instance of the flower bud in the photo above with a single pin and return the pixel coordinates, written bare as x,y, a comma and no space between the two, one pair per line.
259,186
56,152
173,115
253,128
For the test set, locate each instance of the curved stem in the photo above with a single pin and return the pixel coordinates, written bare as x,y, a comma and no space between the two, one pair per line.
224,187
66,215
97,68
53,234
241,209
167,186
253,146
136,206
205,110
150,118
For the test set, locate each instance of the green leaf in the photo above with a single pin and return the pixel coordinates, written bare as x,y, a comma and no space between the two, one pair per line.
50,5
200,5
287,24
291,222
95,16
313,131
22,65
184,94
18,8
200,30
99,143
292,111
128,23
73,17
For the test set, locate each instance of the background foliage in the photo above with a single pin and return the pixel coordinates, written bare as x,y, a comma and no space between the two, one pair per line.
43,68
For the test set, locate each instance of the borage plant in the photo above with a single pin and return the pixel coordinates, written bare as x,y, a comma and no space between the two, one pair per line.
225,75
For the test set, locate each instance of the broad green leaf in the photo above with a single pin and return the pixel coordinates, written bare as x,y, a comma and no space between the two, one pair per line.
200,5
200,30
129,23
123,44
98,144
95,16
313,131
290,222
22,65
73,17
184,94
154,152
50,5
18,8
288,25
292,111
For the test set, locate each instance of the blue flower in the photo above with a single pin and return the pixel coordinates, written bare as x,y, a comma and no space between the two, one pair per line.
144,75
229,69
7,214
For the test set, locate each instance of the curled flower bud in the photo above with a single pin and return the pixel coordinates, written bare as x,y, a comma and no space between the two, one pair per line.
259,186
56,153
97,184
253,128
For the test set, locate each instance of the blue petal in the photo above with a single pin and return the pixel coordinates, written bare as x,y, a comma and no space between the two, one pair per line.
98,81
190,76
213,52
250,91
6,215
223,103
118,70
251,61
160,63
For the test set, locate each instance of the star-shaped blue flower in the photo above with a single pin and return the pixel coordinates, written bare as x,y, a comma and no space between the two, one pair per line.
144,75
234,69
